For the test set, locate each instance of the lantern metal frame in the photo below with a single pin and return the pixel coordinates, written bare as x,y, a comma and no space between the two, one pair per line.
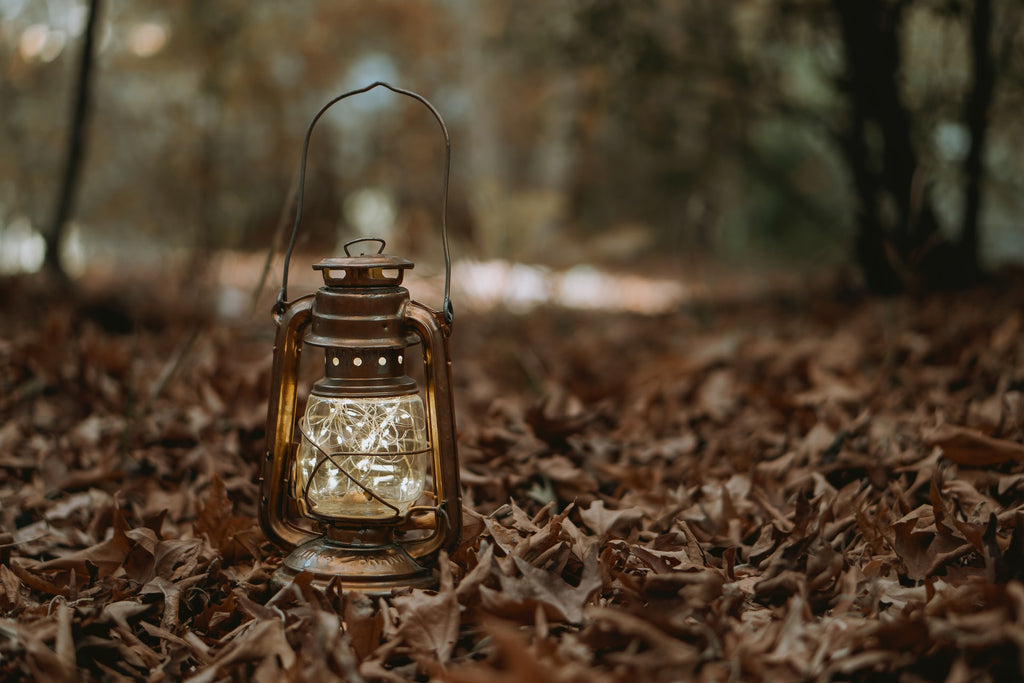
362,306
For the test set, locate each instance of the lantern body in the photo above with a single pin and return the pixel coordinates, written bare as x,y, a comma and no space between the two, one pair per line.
362,457
363,486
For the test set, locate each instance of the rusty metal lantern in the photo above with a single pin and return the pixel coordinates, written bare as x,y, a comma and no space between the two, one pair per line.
363,486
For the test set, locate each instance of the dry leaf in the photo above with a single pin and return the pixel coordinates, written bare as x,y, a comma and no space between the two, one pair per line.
430,621
560,600
602,521
973,448
229,533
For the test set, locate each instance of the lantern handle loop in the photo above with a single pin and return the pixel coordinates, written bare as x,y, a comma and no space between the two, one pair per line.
282,296
380,249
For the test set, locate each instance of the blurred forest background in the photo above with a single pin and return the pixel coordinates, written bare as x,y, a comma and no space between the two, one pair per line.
881,136
806,484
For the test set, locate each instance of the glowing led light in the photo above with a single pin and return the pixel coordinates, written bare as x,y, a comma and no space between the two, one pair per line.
372,455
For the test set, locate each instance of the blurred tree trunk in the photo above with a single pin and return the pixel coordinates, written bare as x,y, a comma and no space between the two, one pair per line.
213,31
898,242
976,116
481,75
75,149
894,216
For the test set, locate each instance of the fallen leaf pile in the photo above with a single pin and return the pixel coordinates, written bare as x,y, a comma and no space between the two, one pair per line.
786,489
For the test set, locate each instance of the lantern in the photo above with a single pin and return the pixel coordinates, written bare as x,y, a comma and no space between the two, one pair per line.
364,485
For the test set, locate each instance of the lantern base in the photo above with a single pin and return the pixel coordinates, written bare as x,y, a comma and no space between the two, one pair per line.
373,569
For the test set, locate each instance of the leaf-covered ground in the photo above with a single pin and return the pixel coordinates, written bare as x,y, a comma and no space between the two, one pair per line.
782,489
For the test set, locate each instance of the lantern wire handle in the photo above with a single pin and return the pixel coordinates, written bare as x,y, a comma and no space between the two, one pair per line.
282,296
379,241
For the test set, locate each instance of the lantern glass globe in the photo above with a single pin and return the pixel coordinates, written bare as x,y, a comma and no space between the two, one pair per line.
370,455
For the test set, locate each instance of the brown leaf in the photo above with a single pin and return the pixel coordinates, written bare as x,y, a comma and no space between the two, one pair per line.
792,647
37,582
261,641
217,521
519,596
363,623
108,556
10,585
64,647
660,650
512,661
571,481
1004,336
970,447
718,395
923,551
829,387
429,622
470,584
43,663
602,521
557,416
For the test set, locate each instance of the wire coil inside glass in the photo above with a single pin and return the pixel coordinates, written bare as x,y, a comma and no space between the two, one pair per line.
362,457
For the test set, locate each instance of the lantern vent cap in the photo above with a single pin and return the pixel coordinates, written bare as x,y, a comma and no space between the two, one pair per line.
363,270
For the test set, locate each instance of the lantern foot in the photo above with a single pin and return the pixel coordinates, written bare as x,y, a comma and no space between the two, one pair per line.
368,569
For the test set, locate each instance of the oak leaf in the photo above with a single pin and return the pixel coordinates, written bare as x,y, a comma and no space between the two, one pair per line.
560,600
430,621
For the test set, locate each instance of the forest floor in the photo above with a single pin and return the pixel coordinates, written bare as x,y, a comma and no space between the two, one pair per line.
790,487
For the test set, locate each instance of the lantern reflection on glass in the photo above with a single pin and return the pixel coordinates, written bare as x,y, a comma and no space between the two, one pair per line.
365,485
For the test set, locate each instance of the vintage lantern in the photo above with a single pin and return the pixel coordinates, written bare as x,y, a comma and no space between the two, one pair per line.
365,484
